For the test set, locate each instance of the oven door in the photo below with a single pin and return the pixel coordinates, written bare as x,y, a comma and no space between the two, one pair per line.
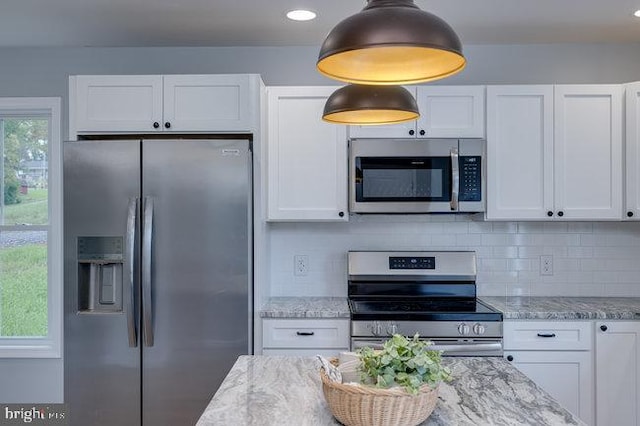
450,347
400,176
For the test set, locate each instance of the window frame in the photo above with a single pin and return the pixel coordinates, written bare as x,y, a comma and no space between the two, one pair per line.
49,346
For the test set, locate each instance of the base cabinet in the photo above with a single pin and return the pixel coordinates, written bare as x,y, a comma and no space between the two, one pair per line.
617,358
565,375
305,337
558,357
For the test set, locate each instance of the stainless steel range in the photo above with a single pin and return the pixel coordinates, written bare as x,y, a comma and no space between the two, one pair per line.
432,293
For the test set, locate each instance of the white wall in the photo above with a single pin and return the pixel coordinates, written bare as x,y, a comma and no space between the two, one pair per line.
590,258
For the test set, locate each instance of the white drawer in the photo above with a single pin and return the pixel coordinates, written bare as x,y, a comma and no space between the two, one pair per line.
305,333
548,335
327,353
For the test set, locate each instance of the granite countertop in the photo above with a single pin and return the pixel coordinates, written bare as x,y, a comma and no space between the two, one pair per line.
306,307
551,308
268,390
566,308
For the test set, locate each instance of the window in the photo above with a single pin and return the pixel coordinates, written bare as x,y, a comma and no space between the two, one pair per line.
30,228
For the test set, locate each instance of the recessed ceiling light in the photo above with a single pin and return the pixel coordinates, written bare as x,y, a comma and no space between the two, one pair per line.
637,13
301,15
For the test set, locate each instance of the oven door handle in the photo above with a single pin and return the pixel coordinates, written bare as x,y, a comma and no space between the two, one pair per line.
471,347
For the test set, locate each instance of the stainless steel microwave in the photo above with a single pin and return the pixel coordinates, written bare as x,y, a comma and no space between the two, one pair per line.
416,175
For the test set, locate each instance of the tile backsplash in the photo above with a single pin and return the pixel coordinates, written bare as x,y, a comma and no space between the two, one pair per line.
588,258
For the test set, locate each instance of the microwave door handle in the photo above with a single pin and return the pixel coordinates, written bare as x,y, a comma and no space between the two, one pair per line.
455,179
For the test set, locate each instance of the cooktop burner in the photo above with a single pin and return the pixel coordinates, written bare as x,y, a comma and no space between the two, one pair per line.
423,309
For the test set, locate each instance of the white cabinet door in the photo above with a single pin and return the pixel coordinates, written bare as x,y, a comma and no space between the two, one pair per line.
307,157
195,103
588,151
617,373
565,375
445,112
632,202
519,152
116,103
451,111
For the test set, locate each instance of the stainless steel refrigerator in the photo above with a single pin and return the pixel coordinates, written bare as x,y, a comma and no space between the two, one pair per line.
158,276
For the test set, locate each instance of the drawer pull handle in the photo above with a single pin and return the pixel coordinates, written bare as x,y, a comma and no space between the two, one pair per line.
546,334
305,333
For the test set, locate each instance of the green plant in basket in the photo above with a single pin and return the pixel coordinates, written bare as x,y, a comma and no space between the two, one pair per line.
403,362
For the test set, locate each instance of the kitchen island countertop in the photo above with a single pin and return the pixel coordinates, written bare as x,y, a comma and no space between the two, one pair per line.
270,390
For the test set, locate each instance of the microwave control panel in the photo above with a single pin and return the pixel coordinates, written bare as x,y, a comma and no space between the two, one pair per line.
470,178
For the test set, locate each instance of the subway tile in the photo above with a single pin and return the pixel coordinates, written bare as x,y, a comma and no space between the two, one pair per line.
521,265
530,227
468,240
480,227
493,265
554,227
580,252
504,227
507,252
580,227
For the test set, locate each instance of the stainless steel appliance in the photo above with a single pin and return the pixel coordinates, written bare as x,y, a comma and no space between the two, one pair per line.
158,278
416,175
430,293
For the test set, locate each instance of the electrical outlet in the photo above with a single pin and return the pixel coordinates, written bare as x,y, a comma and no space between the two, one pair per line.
300,264
546,264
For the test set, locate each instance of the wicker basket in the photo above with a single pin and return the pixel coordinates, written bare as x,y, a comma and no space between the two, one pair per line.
369,406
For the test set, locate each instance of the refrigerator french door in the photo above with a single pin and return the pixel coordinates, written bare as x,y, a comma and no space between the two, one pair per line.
158,279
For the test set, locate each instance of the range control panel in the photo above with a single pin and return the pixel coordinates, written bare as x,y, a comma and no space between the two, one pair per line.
470,178
405,262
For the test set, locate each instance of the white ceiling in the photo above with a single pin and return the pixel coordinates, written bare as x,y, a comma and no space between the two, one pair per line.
119,23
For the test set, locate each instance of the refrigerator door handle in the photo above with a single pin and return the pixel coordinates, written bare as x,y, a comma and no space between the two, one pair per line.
132,213
147,242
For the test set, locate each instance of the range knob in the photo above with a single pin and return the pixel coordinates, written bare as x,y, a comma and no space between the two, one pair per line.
464,329
376,328
392,328
479,328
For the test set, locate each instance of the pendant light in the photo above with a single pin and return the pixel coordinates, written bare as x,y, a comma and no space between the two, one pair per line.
391,42
359,104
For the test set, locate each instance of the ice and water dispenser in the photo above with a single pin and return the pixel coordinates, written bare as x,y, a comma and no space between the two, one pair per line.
100,274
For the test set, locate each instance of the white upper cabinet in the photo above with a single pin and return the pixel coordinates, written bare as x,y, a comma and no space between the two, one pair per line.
588,151
632,202
208,102
519,152
306,157
155,103
554,152
445,112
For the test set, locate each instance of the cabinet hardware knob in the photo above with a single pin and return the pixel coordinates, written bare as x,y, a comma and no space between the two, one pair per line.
509,358
546,334
629,214
412,132
167,125
560,213
604,327
156,124
341,214
422,132
549,213
305,333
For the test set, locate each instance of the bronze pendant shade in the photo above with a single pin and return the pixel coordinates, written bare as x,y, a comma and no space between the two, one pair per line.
359,104
391,42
